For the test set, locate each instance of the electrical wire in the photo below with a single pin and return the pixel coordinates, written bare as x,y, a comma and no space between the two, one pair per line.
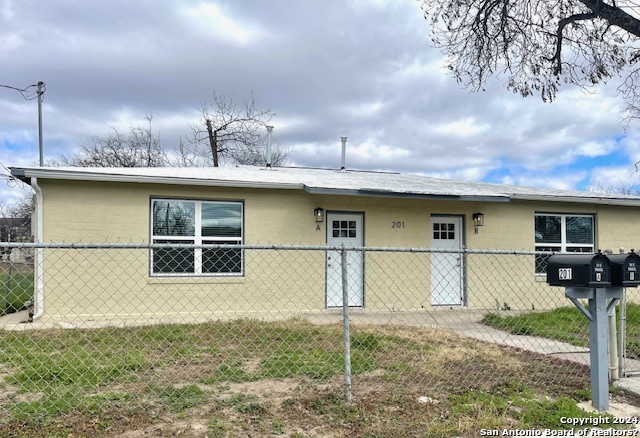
27,93
11,180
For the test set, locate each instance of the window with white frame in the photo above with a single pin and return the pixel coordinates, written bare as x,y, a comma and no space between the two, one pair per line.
177,221
562,233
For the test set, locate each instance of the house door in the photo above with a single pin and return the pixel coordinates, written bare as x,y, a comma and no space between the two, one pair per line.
344,229
446,268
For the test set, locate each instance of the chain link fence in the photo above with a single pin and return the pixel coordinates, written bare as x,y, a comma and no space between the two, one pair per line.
85,325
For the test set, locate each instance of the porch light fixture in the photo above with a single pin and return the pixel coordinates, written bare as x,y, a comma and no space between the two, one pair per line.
478,221
318,213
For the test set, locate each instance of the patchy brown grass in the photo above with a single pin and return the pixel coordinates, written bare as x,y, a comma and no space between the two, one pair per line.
408,386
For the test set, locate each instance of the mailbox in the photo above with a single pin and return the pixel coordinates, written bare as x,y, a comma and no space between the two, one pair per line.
579,270
625,269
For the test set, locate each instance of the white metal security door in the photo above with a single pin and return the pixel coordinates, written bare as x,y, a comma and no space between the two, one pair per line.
344,229
446,268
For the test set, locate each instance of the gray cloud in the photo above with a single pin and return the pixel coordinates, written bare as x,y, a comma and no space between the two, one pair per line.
356,68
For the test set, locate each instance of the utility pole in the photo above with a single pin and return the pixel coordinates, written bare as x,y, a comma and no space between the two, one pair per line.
40,147
28,95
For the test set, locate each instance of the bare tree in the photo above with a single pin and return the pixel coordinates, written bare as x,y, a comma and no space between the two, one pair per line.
540,44
618,187
256,154
225,132
228,132
140,147
15,220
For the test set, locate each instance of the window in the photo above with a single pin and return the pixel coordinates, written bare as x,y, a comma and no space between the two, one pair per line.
344,228
444,231
200,223
562,233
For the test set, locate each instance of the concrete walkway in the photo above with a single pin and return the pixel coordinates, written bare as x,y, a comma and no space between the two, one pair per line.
466,322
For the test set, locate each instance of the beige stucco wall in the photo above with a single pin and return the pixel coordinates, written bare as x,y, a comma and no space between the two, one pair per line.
111,283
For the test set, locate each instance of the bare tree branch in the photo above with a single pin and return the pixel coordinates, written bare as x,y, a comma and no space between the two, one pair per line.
227,132
538,44
15,221
557,56
140,147
618,187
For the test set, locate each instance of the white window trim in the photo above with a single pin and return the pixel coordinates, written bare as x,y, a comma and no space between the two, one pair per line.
563,245
198,239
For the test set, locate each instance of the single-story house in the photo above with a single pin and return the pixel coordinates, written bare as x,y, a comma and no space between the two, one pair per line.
297,206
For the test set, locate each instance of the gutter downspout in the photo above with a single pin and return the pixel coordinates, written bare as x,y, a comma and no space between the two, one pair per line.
39,262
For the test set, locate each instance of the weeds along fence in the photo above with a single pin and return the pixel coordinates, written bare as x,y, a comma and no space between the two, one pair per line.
85,323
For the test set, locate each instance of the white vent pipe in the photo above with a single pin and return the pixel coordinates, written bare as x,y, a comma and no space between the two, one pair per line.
344,153
269,130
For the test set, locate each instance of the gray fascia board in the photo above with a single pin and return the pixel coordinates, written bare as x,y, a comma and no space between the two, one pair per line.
578,199
140,179
481,198
390,194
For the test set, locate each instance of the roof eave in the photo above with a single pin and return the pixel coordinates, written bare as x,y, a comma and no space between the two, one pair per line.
27,174
578,199
409,195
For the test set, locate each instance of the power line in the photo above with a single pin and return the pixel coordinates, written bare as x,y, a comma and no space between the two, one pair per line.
28,93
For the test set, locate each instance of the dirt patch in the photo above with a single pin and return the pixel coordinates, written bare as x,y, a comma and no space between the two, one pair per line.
186,382
273,390
180,428
252,365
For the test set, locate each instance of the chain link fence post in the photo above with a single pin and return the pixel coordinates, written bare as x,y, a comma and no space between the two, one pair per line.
345,318
5,294
622,340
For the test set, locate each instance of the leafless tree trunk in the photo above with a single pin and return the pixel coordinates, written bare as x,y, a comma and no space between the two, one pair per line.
213,141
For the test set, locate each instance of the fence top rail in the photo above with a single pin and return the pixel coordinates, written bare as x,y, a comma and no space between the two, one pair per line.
80,245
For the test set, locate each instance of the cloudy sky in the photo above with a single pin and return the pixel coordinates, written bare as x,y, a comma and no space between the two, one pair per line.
360,68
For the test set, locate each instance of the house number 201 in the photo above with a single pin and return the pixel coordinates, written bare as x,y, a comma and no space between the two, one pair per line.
397,224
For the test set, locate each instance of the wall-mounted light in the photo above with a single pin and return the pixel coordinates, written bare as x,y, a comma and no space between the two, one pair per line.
318,213
478,221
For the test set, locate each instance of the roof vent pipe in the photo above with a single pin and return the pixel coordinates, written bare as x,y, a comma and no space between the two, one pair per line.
269,130
344,152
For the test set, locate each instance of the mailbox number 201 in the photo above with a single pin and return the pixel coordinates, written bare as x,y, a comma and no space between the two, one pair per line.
564,274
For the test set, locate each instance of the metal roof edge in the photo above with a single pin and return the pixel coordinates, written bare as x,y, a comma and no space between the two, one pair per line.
25,173
602,200
141,179
483,198
391,194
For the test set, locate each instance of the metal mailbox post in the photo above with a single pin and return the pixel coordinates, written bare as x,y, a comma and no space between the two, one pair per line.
600,279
